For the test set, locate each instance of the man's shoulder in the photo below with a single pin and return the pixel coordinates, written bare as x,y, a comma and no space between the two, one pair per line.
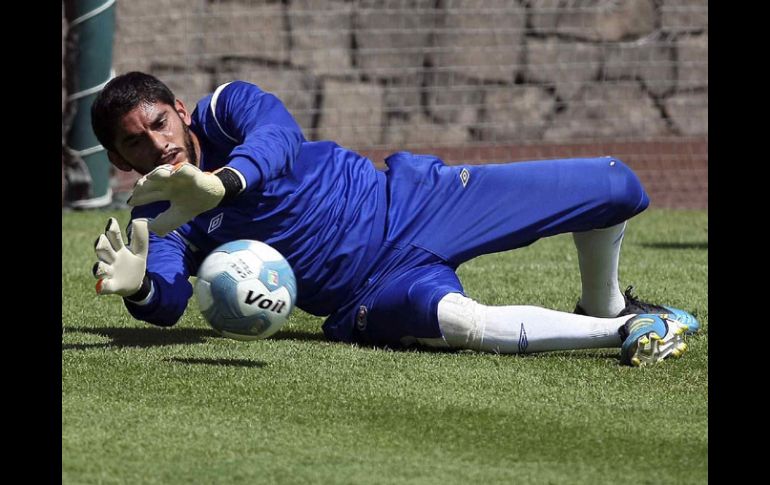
225,90
235,88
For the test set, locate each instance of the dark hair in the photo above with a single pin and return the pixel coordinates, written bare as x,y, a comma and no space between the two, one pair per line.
122,94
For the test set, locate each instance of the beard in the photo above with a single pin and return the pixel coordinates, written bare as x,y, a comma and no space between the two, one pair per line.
189,146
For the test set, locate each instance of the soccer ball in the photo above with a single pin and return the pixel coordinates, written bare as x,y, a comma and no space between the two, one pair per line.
246,290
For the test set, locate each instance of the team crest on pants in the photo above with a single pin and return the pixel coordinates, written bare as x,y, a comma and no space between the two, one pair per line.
465,175
361,317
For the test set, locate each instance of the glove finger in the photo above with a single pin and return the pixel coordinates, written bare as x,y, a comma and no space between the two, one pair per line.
101,270
112,231
150,181
185,169
139,237
169,220
104,250
158,173
105,287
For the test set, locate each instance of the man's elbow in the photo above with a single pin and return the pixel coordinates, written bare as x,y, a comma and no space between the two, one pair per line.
166,318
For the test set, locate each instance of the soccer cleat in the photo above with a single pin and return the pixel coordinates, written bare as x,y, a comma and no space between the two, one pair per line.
635,306
649,338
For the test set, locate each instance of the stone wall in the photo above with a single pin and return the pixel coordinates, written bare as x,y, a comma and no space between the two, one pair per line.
486,80
408,73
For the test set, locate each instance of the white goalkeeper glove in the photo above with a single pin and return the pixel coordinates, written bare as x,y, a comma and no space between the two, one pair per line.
121,269
189,190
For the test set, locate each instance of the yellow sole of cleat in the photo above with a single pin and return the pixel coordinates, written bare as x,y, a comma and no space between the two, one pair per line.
652,348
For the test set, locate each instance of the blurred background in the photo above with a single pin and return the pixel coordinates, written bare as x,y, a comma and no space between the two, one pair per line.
472,81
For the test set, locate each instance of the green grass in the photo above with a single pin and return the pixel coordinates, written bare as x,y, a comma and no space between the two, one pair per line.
148,405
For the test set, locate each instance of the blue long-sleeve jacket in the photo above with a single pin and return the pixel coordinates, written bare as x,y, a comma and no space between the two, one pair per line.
322,206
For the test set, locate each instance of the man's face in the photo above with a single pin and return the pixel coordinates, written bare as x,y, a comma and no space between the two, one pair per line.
153,134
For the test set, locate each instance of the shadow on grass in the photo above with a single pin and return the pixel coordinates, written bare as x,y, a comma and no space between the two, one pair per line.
142,337
674,245
219,362
145,337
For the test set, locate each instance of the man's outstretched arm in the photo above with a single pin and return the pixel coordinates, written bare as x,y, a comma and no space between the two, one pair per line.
150,273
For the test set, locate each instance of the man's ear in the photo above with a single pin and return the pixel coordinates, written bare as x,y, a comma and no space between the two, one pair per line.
183,113
119,161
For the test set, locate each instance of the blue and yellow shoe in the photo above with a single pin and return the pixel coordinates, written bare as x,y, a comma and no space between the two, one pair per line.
650,338
635,306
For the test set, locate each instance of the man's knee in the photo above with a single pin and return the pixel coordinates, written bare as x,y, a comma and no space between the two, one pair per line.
627,195
460,320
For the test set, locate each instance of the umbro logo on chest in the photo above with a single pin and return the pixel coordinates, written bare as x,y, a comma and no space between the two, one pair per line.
216,222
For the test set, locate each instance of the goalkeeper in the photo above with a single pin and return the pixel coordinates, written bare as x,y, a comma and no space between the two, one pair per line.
375,251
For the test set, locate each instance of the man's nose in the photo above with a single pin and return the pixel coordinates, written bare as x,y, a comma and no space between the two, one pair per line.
159,141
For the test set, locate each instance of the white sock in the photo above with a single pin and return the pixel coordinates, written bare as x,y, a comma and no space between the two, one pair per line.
598,256
467,324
